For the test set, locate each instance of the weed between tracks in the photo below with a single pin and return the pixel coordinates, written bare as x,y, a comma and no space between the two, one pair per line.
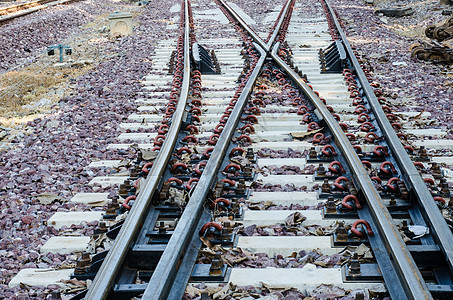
19,89
31,91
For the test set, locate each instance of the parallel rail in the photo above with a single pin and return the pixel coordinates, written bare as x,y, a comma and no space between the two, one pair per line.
399,269
405,275
411,176
15,11
159,286
170,278
105,277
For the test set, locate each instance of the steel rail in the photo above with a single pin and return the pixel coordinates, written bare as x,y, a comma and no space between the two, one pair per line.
407,271
167,267
412,177
20,5
252,33
256,38
275,33
30,10
105,277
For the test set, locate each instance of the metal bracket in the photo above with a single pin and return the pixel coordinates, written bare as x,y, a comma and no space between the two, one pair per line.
333,58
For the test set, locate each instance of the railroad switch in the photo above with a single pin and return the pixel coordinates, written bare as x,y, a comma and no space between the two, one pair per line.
203,60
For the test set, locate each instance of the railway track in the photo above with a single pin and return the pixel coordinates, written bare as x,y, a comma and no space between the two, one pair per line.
22,9
269,156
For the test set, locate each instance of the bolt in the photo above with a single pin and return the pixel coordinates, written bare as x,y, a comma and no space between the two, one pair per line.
134,172
162,229
240,189
392,201
342,233
83,263
321,170
115,203
435,168
110,211
55,295
247,170
250,155
312,153
404,225
139,156
204,295
354,265
444,188
325,188
352,190
422,152
216,265
405,195
102,228
330,206
124,188
359,296
234,206
226,230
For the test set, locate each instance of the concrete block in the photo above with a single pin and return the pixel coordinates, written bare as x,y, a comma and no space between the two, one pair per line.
106,181
120,24
434,144
60,219
286,198
91,199
306,278
104,164
279,162
286,245
272,217
42,277
296,180
65,244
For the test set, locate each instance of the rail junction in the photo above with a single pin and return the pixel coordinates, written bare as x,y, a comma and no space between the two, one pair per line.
280,147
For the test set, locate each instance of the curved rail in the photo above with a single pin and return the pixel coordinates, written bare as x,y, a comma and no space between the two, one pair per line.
405,271
410,278
159,285
105,277
412,177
